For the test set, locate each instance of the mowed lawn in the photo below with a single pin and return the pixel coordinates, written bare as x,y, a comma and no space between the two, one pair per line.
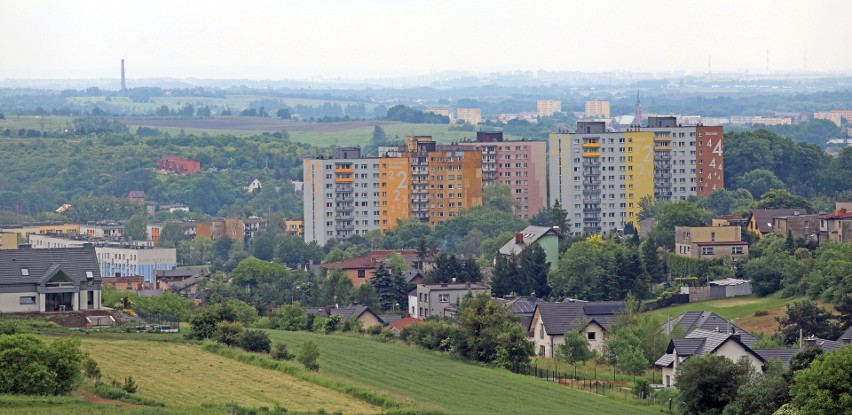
184,375
435,381
739,309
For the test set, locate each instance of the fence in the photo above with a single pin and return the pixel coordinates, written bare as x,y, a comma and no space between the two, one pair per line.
600,385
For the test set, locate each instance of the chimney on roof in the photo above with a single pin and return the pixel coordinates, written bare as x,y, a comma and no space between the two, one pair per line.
519,238
557,230
795,213
454,279
811,341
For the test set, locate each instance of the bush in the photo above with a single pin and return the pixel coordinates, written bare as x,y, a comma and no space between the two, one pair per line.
129,385
375,330
308,356
642,389
255,341
90,368
228,333
29,367
279,352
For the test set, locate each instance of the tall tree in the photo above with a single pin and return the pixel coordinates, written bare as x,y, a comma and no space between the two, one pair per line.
136,227
811,319
171,234
504,276
384,285
823,388
499,196
708,383
532,271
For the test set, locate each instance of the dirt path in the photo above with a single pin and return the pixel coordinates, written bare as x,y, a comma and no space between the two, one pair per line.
97,400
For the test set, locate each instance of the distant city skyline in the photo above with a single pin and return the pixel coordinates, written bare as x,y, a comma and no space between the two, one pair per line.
379,39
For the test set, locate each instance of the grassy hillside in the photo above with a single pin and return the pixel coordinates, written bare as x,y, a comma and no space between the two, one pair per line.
435,381
740,309
185,376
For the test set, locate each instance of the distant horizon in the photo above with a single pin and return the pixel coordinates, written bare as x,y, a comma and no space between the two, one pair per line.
337,39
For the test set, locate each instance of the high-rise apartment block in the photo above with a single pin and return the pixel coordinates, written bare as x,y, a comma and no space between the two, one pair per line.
520,164
348,194
548,107
596,109
599,176
471,116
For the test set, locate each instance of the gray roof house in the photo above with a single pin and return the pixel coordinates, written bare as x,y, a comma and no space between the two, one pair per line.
358,312
708,321
700,342
550,322
49,280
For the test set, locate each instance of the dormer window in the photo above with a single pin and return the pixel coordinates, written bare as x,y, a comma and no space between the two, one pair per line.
25,272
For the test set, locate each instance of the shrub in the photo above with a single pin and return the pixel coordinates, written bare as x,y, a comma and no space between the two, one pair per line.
28,366
279,352
308,356
8,328
90,368
228,332
129,385
375,330
642,389
255,341
292,317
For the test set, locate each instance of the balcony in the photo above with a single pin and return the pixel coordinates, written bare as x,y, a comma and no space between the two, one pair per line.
343,199
590,162
591,192
592,210
344,170
344,180
662,148
592,201
592,154
344,216
591,145
591,182
592,229
344,189
590,173
344,209
344,227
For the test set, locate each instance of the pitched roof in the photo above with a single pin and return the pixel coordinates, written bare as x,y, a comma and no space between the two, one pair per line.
403,323
763,217
782,354
846,335
390,318
43,263
531,234
559,318
688,346
345,313
371,259
699,343
249,181
708,321
179,273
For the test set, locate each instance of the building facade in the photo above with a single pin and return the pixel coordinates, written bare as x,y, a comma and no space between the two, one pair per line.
471,116
177,165
709,242
440,299
517,164
596,109
600,176
548,107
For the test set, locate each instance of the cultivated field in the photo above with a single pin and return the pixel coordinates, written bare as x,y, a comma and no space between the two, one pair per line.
185,376
432,381
739,309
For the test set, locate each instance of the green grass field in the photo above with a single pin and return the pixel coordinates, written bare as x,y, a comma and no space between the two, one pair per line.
432,381
185,376
739,309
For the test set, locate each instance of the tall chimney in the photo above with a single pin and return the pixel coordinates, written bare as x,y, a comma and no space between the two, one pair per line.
123,85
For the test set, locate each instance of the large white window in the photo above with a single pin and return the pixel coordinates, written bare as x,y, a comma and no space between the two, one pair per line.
443,298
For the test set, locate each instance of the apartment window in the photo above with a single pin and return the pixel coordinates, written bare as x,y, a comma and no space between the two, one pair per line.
443,298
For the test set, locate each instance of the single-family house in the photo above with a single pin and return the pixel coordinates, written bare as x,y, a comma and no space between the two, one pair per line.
544,236
705,320
252,185
136,196
836,227
550,322
362,269
709,242
49,280
441,299
358,312
760,221
701,342
398,326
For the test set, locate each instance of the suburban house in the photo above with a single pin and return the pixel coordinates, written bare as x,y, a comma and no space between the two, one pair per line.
252,185
361,269
177,165
709,242
136,196
398,326
358,312
701,342
546,237
441,299
183,282
550,322
49,280
294,227
836,227
800,226
522,307
760,221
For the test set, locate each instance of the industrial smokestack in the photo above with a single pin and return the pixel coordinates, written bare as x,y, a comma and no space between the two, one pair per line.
123,85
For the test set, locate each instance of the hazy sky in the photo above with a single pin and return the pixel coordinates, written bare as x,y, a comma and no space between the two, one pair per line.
314,39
